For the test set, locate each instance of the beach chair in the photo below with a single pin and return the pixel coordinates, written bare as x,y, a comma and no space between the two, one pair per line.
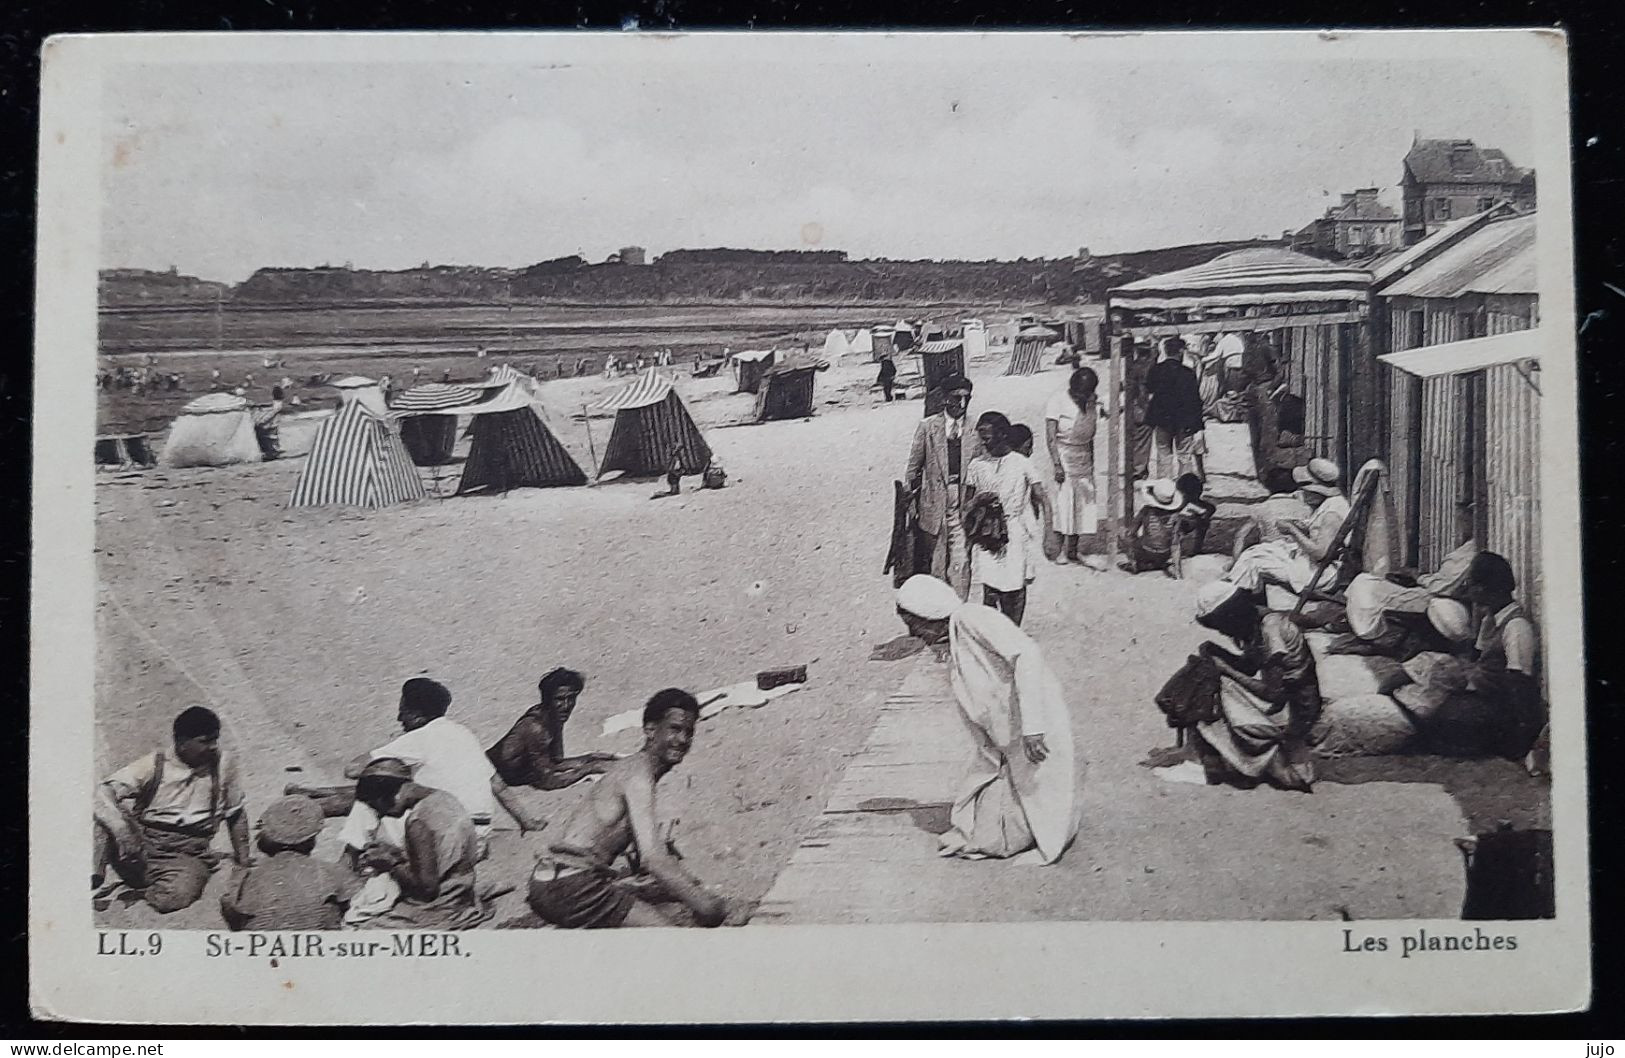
1367,515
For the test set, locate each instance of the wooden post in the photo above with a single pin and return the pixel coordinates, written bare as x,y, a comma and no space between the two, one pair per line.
592,453
1114,445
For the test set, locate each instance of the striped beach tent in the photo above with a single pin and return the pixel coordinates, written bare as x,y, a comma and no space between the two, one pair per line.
428,419
434,396
356,460
1245,279
650,421
513,448
1027,351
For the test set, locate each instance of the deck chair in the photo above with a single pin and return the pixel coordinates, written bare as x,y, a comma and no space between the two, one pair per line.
1365,536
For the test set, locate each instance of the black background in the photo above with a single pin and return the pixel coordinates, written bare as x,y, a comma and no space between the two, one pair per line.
1598,140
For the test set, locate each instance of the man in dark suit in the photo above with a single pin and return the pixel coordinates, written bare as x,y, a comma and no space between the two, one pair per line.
936,466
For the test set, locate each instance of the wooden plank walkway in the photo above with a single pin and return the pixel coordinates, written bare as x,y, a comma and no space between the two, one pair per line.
861,858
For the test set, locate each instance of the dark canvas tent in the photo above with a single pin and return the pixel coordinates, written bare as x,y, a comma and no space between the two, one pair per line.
787,393
939,360
356,460
1027,351
749,367
650,420
513,448
428,435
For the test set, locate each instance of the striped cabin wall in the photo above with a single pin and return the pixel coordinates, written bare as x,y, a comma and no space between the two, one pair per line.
1426,449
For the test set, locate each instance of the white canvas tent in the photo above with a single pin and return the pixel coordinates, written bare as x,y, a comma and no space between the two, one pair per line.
215,430
863,344
365,391
836,348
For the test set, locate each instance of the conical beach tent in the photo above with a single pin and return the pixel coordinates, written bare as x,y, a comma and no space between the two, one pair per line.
356,460
650,420
1027,353
863,344
787,393
513,448
215,430
836,348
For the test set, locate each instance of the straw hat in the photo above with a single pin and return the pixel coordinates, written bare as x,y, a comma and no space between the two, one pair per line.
291,821
1319,475
1160,493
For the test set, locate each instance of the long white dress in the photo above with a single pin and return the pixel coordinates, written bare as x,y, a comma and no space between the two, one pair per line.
1011,478
1005,690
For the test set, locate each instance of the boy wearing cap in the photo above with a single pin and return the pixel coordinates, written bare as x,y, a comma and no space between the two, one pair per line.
290,889
156,818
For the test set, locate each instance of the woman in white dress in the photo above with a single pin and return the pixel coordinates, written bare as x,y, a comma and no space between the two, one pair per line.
1070,419
1008,477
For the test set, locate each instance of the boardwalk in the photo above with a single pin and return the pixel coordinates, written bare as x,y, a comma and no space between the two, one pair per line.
1148,850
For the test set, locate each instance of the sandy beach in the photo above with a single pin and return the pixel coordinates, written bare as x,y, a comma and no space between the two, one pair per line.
298,626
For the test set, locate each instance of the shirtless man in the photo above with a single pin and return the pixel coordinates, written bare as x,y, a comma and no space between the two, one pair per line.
575,885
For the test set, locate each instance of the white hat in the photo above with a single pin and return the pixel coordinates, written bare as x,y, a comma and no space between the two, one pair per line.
1452,620
927,597
1319,475
1161,493
1214,594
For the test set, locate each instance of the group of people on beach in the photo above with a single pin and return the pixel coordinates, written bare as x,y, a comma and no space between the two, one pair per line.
418,815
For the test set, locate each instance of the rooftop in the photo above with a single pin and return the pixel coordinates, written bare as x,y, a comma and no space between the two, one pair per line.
1498,258
1460,162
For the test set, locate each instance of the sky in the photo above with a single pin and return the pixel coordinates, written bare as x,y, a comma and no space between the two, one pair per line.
220,169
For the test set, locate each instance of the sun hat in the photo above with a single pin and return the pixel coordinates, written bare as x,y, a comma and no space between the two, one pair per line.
1214,594
1319,475
291,820
927,597
1452,620
1161,493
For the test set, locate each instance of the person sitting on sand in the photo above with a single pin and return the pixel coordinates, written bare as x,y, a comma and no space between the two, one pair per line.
156,817
1023,789
432,868
1269,696
1153,542
532,752
575,885
443,754
290,889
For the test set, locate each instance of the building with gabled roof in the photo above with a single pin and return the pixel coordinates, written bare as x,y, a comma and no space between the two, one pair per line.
1359,226
1445,180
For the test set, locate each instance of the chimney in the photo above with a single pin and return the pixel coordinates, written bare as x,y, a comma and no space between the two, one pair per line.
1348,198
1366,195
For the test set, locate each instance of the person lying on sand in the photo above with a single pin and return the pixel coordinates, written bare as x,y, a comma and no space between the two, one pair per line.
532,752
575,885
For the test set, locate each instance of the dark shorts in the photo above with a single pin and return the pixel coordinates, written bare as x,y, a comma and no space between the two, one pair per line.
585,899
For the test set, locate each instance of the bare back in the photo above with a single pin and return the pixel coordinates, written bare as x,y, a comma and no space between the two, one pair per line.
600,826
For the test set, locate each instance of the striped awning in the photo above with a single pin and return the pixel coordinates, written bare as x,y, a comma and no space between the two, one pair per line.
650,388
434,397
1038,331
1260,276
942,345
